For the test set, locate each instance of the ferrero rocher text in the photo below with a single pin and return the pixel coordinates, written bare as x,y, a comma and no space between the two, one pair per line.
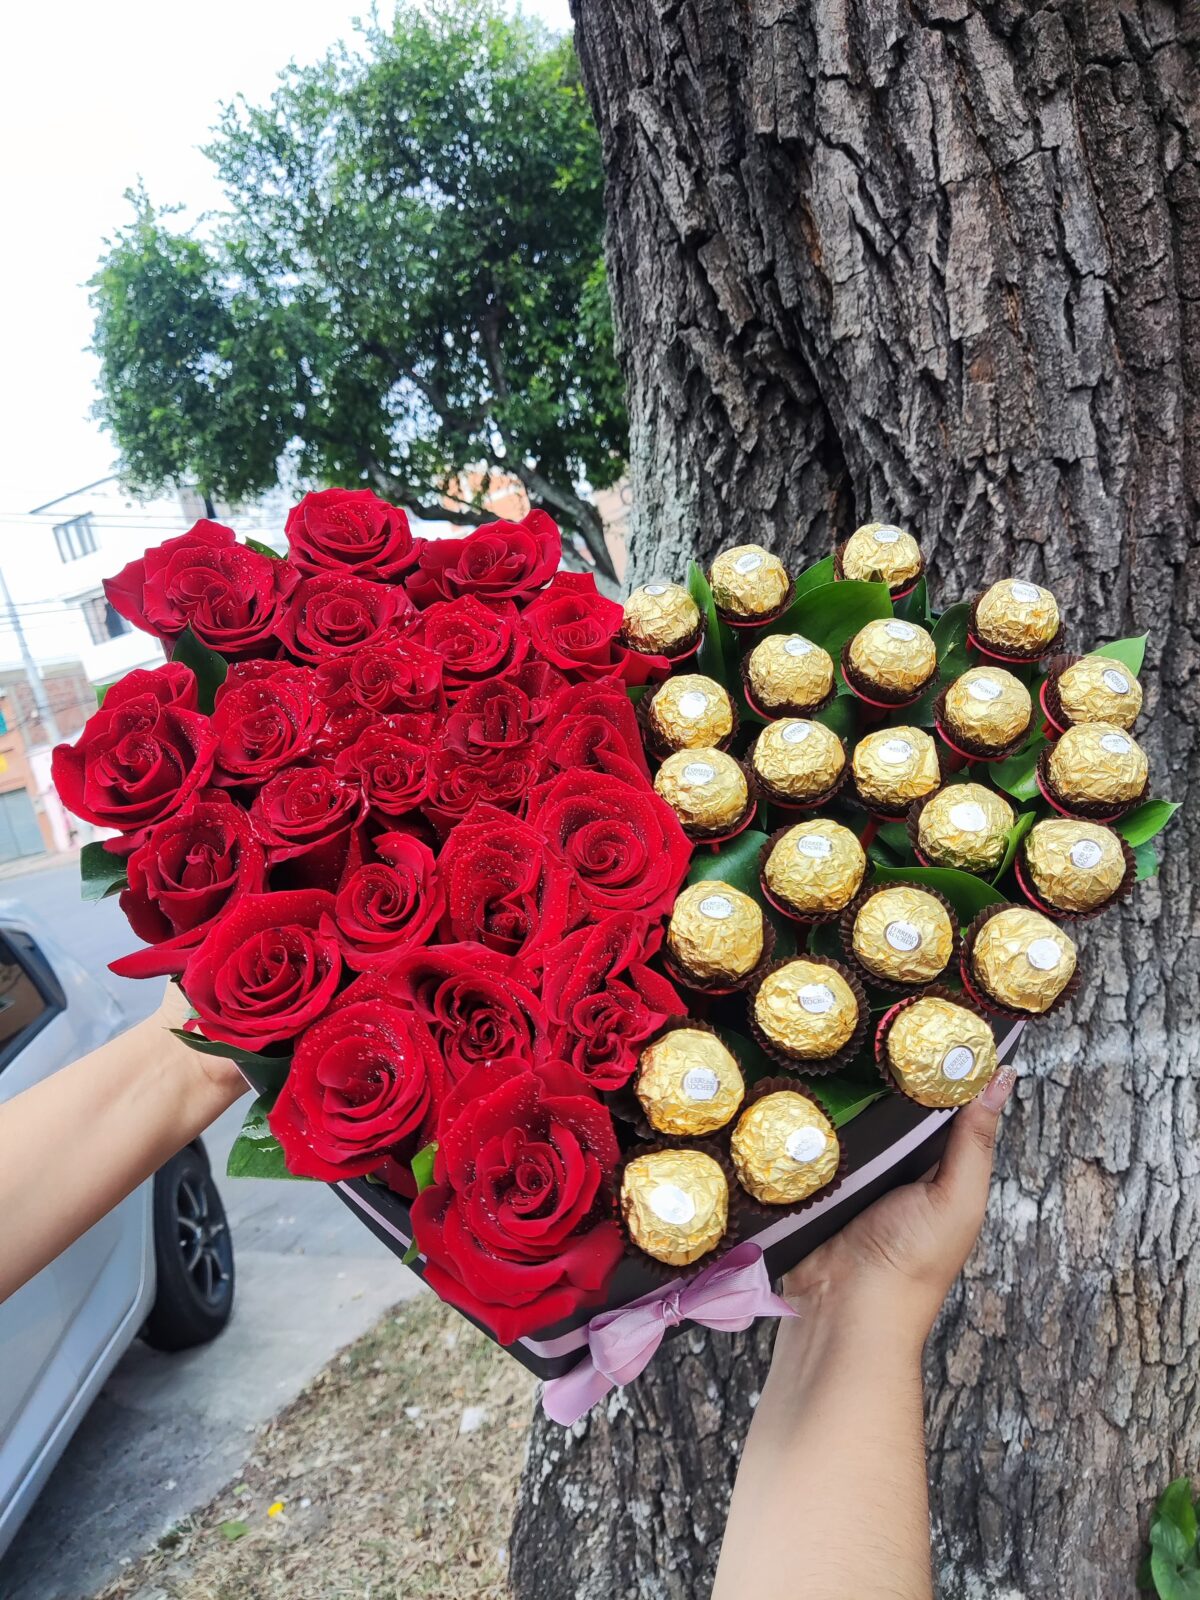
706,789
716,931
903,935
688,1083
806,1009
816,867
1074,865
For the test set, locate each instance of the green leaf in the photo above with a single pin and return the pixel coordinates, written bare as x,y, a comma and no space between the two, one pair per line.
266,1073
635,691
841,715
814,577
1015,834
1145,821
256,1153
1146,861
1175,1506
915,606
422,1165
263,549
751,1057
950,641
1018,775
1173,1562
1129,652
100,872
102,690
734,863
832,612
843,1097
209,667
234,1530
717,655
965,892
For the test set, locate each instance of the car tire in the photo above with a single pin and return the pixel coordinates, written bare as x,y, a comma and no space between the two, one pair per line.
193,1254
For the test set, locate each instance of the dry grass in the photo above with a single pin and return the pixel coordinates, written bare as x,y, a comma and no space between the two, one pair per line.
384,1498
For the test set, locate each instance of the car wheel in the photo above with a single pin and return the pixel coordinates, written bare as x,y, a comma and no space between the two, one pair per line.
193,1253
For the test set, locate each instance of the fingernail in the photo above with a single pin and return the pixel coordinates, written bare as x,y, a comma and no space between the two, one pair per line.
999,1089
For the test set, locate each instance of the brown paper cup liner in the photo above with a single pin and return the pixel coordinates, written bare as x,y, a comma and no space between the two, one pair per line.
893,985
806,1065
987,1003
972,749
786,802
757,1213
625,1104
1026,885
884,699
732,620
936,991
677,656
897,591
785,907
1088,810
656,746
1051,704
1020,658
794,708
716,987
663,1271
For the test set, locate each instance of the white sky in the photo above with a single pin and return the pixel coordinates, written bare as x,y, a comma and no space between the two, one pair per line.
95,96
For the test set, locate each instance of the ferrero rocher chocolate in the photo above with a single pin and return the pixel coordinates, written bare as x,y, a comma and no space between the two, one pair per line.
688,1083
897,657
675,1204
1022,959
879,552
815,867
784,1148
691,711
987,708
716,931
748,581
940,1053
799,760
786,671
903,935
892,767
806,1009
1016,618
1098,689
706,789
660,618
1074,865
1097,763
966,826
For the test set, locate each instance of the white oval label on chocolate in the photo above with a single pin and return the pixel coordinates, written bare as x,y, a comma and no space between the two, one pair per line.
700,1083
815,845
693,704
815,997
887,534
672,1205
805,1144
750,562
968,817
796,646
894,752
1026,593
900,630
796,732
655,589
699,772
1116,681
902,936
1116,744
717,907
984,689
1085,854
957,1062
1043,954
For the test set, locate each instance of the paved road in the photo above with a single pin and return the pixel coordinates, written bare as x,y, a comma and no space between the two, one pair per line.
168,1431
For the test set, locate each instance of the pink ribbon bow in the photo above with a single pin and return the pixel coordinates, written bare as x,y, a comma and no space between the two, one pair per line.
726,1296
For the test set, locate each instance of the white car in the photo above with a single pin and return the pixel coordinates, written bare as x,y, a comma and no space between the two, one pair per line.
159,1264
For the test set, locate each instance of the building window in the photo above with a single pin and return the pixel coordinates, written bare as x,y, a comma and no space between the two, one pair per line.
103,622
75,538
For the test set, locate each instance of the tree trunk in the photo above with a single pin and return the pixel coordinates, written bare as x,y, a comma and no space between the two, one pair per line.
938,262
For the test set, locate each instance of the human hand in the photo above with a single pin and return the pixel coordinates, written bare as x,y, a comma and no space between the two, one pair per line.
173,1012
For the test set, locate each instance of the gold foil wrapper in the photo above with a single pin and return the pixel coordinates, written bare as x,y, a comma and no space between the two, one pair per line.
817,866
704,788
988,707
941,1054
879,552
1097,763
1022,959
785,669
1098,689
806,1008
660,618
675,1204
716,931
1017,616
688,1083
799,759
690,712
966,826
784,1148
893,655
748,581
1074,865
903,935
892,767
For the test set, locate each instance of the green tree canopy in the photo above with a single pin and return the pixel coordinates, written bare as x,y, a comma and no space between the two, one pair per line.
406,283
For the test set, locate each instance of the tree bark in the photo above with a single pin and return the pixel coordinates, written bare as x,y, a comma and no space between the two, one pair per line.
939,262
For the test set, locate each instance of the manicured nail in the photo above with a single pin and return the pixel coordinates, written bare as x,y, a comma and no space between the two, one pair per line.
999,1089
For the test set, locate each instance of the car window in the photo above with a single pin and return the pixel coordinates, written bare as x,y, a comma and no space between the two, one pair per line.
29,992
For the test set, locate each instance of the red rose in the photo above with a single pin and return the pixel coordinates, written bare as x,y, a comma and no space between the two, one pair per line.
264,721
189,872
390,762
504,888
363,1080
377,681
138,761
474,641
517,1229
172,684
593,725
602,1001
487,718
477,1003
539,682
499,561
304,816
389,906
621,840
575,628
335,615
229,595
503,780
349,530
266,971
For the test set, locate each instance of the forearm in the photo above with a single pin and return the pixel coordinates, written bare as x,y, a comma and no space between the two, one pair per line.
831,1497
77,1143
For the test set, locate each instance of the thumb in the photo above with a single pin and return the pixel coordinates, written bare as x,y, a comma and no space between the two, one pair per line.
965,1170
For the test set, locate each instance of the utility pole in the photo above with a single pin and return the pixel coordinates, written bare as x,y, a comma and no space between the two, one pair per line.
32,676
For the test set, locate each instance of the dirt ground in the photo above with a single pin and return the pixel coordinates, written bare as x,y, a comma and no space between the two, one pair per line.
391,1477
